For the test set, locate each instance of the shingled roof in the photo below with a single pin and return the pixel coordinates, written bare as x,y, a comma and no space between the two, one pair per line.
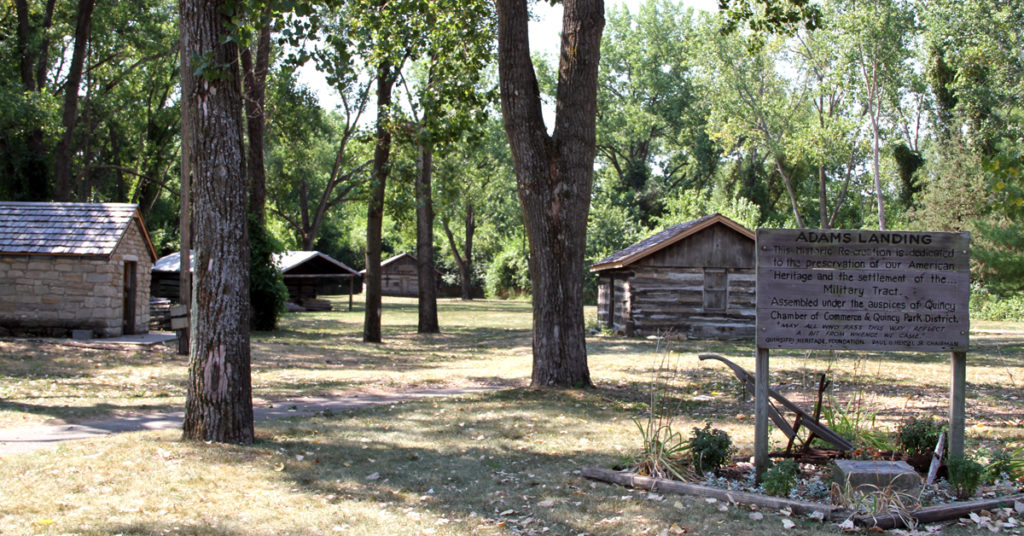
67,229
659,241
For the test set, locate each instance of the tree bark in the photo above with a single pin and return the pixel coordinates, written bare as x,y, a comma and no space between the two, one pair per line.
375,207
255,79
63,156
218,404
554,178
426,275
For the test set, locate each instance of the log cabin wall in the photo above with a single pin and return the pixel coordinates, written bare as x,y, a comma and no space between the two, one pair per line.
613,313
700,287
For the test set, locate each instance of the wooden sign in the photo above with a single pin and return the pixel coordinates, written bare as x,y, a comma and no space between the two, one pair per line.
863,290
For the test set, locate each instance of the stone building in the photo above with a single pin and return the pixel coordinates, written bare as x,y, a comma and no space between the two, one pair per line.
68,267
693,280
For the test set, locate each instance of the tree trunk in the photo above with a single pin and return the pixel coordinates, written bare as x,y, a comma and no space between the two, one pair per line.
218,404
375,207
554,178
255,78
875,170
426,275
822,201
465,261
63,154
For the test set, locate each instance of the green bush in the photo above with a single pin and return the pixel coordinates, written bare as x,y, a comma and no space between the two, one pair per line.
988,306
709,449
509,273
965,474
780,478
267,291
1006,463
919,435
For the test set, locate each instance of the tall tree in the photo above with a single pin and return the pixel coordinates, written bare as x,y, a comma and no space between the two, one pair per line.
651,122
555,177
63,156
878,37
446,100
218,404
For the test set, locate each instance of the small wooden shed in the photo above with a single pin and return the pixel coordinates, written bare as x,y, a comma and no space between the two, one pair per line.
398,276
693,280
304,272
73,267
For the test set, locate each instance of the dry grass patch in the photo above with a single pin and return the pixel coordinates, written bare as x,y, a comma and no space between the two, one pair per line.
501,463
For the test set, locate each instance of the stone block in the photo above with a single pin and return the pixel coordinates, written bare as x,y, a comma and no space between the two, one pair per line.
868,476
81,334
98,278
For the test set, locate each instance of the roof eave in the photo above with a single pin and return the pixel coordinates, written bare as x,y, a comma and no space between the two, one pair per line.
717,218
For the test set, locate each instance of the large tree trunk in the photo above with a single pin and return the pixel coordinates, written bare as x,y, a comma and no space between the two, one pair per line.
555,178
218,405
255,78
375,208
426,275
64,148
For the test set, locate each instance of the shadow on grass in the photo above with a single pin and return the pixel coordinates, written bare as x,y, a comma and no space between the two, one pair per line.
489,462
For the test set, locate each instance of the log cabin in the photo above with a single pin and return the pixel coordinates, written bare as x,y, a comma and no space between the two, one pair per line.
692,280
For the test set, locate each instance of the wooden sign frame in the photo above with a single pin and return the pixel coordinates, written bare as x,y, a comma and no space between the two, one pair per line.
862,290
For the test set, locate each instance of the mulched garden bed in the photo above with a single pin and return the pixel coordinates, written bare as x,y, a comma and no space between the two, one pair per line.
996,506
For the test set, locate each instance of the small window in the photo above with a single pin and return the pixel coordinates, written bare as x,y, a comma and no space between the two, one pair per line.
715,289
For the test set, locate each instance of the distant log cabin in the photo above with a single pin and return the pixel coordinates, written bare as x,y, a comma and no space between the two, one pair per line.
398,276
693,280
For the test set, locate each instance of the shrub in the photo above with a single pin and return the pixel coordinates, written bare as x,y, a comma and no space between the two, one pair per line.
508,274
919,435
267,291
780,478
988,306
709,449
965,475
1005,463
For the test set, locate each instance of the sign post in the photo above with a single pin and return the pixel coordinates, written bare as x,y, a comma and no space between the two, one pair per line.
863,290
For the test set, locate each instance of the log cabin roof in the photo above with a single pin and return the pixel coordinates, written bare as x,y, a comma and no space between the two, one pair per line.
664,239
67,229
393,260
312,264
297,263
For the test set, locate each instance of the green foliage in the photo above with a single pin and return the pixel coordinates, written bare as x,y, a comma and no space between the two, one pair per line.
918,435
693,204
1006,463
988,306
266,283
661,447
780,478
965,475
855,423
709,449
509,272
1000,251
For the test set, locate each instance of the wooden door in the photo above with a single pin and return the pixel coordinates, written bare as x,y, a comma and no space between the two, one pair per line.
128,322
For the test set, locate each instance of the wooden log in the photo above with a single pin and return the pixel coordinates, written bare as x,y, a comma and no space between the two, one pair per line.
932,514
737,497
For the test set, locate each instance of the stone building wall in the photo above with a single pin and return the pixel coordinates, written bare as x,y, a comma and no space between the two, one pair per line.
51,295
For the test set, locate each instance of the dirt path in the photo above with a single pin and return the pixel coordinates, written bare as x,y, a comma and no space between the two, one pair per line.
16,440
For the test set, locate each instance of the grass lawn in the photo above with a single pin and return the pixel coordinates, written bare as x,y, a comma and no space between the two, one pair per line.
500,462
